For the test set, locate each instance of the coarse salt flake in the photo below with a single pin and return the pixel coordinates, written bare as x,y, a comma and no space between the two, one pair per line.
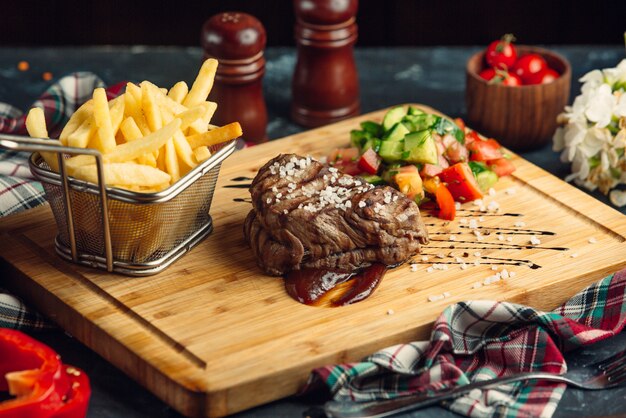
492,191
534,240
414,267
592,240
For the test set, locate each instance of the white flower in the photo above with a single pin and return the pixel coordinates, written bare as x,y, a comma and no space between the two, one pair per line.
593,138
599,109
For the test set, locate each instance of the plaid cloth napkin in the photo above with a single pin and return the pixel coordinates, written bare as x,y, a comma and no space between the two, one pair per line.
480,340
18,189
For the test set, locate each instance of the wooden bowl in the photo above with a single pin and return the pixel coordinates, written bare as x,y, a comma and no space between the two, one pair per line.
521,118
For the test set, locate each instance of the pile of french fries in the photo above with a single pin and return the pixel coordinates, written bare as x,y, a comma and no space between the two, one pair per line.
149,137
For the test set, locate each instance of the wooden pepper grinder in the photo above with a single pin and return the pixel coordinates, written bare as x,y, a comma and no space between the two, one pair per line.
237,41
325,85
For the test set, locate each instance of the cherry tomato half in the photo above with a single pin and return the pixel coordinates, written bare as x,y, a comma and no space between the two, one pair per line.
528,66
502,53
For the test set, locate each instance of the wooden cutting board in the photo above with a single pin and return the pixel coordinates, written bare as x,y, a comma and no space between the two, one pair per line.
212,335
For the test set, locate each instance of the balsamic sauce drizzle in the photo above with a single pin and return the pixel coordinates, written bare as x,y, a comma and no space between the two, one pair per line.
242,178
485,230
238,186
496,245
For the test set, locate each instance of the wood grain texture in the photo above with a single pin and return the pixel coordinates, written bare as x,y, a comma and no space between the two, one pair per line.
212,335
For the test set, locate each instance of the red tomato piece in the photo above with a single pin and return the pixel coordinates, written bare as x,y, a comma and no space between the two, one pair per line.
369,161
528,66
484,150
345,155
445,201
502,166
461,182
351,168
547,76
471,136
501,53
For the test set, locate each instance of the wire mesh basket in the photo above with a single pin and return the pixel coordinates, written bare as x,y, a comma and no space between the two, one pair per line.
123,231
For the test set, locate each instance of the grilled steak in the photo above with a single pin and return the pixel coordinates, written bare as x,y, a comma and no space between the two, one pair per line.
306,214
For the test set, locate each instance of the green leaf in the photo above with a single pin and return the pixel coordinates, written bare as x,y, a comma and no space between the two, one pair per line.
373,128
478,167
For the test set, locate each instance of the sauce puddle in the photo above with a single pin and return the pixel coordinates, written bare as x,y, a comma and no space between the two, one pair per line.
317,287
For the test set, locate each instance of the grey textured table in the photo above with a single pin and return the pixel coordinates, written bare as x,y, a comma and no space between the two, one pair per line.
433,76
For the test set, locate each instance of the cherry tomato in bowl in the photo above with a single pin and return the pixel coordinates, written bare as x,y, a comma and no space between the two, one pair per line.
502,53
547,76
529,66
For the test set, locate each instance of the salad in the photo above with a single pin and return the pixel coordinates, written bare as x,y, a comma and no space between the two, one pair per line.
429,158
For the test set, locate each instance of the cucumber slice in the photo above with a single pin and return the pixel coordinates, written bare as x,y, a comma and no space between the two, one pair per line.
415,111
373,179
392,117
421,148
419,122
397,132
391,150
486,179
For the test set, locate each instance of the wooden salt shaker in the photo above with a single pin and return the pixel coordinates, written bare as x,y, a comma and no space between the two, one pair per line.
325,85
237,41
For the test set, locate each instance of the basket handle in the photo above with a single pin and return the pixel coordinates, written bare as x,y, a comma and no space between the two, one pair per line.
24,143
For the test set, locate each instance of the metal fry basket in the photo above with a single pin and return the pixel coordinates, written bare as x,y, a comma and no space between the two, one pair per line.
122,231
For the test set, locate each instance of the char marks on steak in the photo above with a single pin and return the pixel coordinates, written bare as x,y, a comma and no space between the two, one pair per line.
308,215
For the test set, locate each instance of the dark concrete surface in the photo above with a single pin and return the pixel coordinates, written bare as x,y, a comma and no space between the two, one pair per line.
433,76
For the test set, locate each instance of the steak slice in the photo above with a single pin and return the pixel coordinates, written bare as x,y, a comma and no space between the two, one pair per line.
306,214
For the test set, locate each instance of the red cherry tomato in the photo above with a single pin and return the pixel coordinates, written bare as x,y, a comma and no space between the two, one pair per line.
503,77
528,66
511,80
547,76
488,74
501,54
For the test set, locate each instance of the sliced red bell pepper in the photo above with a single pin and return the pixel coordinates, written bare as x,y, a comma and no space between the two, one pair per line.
484,150
445,201
369,161
42,386
461,182
502,166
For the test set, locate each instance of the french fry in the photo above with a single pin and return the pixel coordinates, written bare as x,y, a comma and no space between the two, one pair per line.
171,161
133,109
131,150
178,92
202,85
184,151
134,90
78,117
192,115
126,174
216,136
131,131
150,107
105,138
117,115
80,137
36,127
202,125
201,153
